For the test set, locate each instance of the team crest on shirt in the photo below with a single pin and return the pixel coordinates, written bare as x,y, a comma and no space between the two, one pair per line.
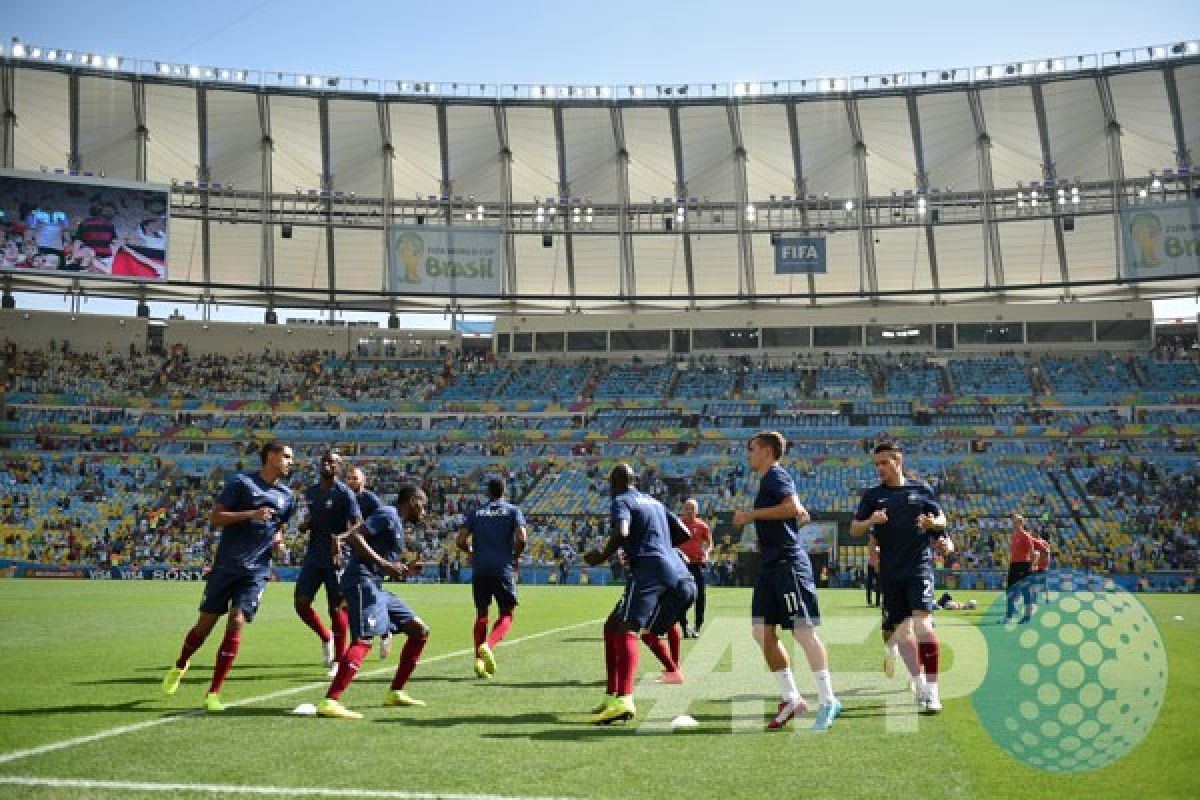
913,497
329,503
370,622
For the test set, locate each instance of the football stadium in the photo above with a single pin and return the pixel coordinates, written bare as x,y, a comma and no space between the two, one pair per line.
411,438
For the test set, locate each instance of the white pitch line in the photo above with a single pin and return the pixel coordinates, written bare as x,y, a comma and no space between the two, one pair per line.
17,755
221,788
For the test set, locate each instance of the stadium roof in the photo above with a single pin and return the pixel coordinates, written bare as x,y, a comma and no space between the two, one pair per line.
921,185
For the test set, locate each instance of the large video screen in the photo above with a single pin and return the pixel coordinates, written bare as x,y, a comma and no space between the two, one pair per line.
85,226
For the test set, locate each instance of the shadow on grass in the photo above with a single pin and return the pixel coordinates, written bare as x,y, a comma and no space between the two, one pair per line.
533,718
131,706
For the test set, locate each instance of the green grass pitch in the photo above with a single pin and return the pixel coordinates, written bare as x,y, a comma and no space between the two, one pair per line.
84,659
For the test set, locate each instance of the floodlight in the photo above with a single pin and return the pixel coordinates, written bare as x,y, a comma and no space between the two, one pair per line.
849,205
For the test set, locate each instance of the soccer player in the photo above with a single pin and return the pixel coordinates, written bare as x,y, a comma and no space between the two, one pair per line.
251,511
907,521
658,591
332,510
1024,549
495,537
375,545
695,552
368,504
784,592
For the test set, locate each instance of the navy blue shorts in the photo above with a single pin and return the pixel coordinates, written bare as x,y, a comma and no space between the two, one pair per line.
313,577
374,611
501,587
905,594
653,606
782,596
226,590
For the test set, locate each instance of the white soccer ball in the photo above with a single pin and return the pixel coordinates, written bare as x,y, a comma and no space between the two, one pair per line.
684,722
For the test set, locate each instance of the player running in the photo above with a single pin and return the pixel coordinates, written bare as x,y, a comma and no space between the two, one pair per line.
495,537
376,544
332,510
657,593
908,523
251,511
784,592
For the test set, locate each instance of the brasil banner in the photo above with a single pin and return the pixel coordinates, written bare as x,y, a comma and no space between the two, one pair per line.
1161,240
445,260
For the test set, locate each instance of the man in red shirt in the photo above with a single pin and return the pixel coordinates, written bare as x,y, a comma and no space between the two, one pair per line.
695,552
1020,562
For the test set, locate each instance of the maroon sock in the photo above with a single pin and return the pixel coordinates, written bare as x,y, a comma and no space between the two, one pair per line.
408,660
610,661
313,620
674,639
500,629
480,631
225,657
627,662
930,655
659,648
348,666
191,643
341,630
908,652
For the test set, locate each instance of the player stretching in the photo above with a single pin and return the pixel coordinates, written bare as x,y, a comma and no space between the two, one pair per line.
784,592
906,519
368,504
332,510
495,537
251,511
375,544
657,593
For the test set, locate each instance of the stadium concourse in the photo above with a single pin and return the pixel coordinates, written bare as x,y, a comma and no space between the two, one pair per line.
113,455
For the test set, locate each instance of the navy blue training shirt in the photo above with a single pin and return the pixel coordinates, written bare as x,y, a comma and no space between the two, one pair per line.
903,546
246,546
368,503
648,545
384,535
493,530
779,539
330,512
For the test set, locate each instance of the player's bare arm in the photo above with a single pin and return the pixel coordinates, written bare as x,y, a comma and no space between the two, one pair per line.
358,543
222,517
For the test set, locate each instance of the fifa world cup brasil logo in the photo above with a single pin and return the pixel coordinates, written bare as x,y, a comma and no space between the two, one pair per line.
1146,231
410,247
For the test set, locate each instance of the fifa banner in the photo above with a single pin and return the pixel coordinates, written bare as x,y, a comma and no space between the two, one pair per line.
1161,241
445,260
799,255
84,226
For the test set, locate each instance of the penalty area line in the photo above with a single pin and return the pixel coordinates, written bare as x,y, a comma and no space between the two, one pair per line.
275,791
18,755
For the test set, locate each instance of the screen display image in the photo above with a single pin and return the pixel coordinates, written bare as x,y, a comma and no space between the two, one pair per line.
86,226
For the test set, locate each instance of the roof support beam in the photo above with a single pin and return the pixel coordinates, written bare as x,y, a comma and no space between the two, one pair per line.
993,260
799,184
327,178
682,191
914,124
1050,176
1116,171
267,146
74,157
564,190
510,244
141,132
8,108
740,188
202,173
628,276
1182,156
868,280
387,192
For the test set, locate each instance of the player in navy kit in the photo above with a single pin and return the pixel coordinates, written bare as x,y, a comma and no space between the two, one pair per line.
495,536
907,521
332,511
368,504
784,592
251,511
376,544
658,592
